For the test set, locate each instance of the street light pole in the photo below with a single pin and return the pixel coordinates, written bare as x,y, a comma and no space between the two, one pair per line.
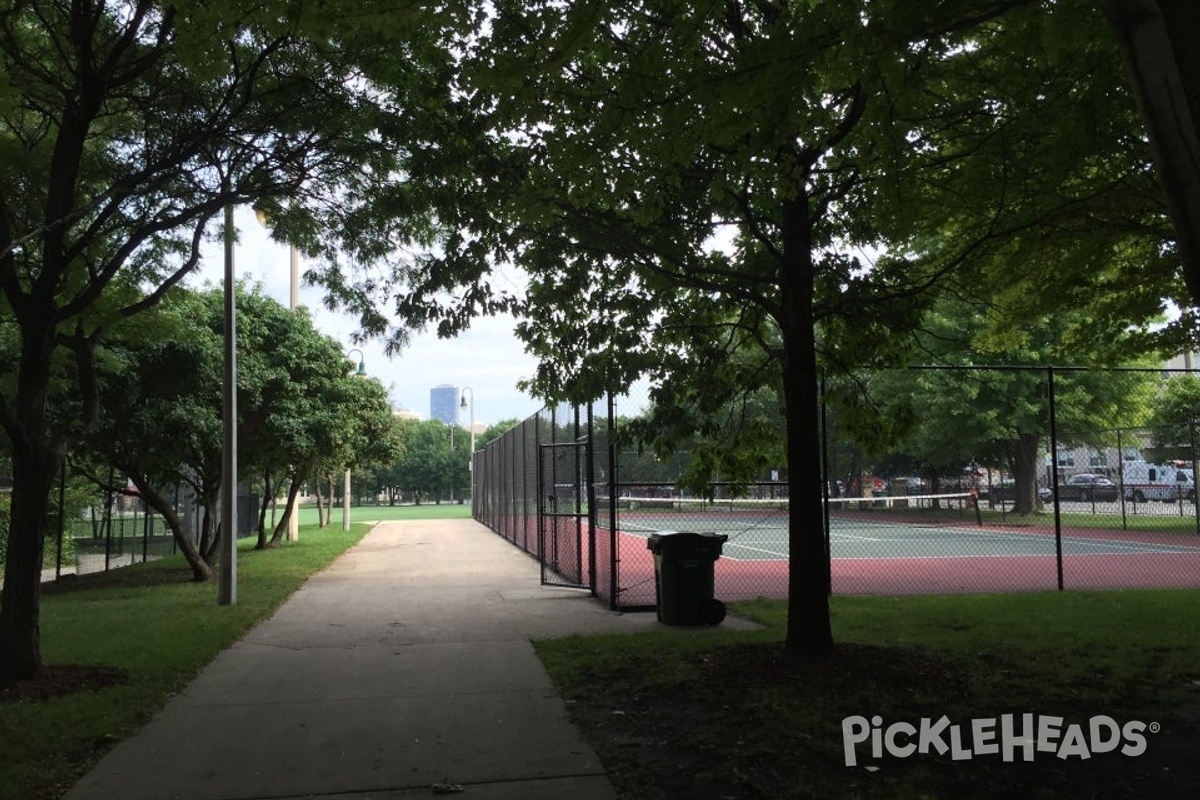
293,531
471,456
361,372
227,578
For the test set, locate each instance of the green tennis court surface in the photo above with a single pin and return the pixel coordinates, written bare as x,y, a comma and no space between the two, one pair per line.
929,526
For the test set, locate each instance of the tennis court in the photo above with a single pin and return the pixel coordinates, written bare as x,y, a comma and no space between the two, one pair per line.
577,487
921,544
927,526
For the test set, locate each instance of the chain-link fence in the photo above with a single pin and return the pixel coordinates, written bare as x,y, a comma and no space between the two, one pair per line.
536,487
1009,479
119,529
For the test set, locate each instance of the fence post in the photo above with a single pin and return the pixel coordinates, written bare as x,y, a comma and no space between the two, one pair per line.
145,531
62,520
1195,496
580,497
590,455
540,487
1058,553
825,477
1121,482
613,538
132,552
108,505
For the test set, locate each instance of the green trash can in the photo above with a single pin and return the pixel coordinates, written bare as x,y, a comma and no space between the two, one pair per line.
683,577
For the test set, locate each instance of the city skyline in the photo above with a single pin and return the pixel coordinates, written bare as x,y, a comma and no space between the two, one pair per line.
443,403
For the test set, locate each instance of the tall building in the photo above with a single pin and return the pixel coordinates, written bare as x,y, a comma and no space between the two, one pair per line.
443,403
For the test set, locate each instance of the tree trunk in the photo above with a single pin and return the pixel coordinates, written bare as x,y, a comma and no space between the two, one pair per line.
200,570
209,533
267,499
1024,466
37,457
20,627
320,502
282,526
808,626
329,502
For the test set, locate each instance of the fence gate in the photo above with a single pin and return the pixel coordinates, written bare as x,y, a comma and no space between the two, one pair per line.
563,524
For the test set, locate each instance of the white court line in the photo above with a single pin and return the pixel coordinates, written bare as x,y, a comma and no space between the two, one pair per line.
755,549
1121,545
920,533
950,534
956,556
1135,550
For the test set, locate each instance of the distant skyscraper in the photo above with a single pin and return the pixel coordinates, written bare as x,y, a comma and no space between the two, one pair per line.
443,403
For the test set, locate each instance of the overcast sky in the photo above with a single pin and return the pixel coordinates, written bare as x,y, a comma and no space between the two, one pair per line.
488,358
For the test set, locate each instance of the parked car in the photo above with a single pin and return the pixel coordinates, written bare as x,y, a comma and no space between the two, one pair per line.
1087,487
909,484
1170,482
1005,491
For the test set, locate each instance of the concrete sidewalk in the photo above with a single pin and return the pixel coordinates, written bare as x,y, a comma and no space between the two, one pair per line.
404,666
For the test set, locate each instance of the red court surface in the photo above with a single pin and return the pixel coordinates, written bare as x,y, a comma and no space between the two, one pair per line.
1125,561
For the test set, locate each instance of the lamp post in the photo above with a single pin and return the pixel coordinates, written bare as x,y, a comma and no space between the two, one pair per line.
471,457
227,578
361,372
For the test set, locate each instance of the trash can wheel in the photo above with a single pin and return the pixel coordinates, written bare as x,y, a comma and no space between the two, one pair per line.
712,612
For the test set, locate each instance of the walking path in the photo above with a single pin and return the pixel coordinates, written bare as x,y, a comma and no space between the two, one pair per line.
403,670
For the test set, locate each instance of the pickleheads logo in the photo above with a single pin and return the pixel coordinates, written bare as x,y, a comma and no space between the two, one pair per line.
1027,734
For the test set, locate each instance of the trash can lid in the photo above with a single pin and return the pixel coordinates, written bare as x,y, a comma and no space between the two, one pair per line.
708,542
653,541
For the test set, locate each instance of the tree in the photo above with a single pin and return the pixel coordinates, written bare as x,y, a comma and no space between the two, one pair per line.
426,452
160,421
386,478
374,436
1047,200
1176,412
793,180
125,127
495,431
1157,42
649,131
302,412
985,400
159,417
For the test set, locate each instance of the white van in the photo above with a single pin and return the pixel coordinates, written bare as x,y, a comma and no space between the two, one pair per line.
1142,481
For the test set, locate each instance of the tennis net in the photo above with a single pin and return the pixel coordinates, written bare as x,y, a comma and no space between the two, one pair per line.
648,514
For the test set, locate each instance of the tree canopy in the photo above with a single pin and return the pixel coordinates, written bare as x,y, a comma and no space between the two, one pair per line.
732,199
125,127
714,195
979,399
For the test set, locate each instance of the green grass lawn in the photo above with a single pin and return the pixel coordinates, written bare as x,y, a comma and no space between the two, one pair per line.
719,714
308,514
710,714
160,629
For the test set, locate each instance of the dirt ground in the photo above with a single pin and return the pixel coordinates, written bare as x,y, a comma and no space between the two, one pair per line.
717,738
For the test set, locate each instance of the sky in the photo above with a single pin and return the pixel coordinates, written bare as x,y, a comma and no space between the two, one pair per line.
488,357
